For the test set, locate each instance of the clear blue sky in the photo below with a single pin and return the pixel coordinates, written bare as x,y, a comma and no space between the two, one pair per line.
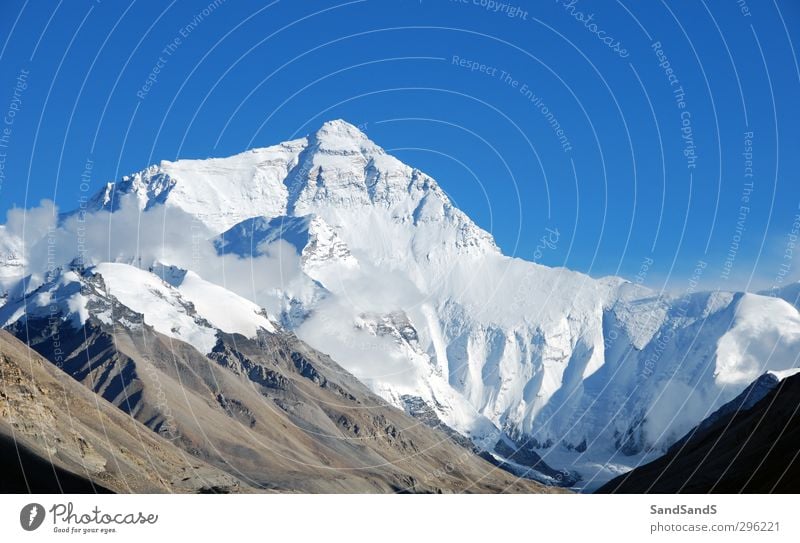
615,182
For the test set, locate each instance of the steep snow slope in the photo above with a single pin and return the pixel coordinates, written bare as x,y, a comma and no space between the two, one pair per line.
417,301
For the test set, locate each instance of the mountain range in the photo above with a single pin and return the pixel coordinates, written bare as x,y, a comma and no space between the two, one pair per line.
323,286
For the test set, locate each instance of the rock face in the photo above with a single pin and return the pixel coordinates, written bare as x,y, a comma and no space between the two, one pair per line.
267,412
748,447
55,435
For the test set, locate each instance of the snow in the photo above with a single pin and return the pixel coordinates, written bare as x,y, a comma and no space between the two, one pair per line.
312,238
785,374
790,293
161,305
61,298
765,335
224,309
219,193
250,237
191,310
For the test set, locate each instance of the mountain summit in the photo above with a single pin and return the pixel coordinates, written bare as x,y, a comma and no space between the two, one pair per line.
336,173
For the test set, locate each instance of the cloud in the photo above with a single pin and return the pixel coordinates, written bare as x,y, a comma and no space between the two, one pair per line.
162,234
31,225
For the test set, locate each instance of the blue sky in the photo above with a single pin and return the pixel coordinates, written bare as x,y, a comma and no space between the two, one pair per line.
466,90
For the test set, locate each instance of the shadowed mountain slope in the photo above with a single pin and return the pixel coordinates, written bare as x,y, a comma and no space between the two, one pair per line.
752,451
65,438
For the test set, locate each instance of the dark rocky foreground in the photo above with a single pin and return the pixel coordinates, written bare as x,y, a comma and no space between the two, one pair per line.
24,471
752,450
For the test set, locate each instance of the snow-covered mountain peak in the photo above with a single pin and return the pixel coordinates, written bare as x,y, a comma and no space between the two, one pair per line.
336,174
342,168
340,136
328,173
